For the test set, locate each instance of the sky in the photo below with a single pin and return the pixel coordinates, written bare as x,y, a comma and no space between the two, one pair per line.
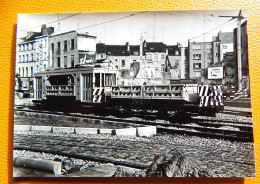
169,27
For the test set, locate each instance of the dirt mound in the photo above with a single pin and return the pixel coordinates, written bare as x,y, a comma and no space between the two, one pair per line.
174,164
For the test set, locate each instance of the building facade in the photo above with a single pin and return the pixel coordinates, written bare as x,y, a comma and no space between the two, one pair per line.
29,59
226,43
147,62
70,49
201,56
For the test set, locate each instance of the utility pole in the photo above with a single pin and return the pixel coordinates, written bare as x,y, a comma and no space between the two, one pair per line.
239,59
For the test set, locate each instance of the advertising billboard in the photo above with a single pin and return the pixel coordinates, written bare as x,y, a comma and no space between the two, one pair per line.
215,73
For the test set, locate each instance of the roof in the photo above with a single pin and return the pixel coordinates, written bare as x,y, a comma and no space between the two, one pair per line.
31,36
172,50
116,50
154,47
226,37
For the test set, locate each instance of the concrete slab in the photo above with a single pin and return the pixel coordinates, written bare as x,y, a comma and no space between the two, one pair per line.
130,132
105,131
86,131
42,128
146,131
22,127
66,130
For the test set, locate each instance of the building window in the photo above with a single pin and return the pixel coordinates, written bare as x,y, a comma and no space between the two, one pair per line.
45,56
31,71
58,61
23,71
122,63
58,45
209,46
31,57
197,65
65,45
197,56
33,45
162,56
27,71
19,47
196,47
52,47
72,44
45,43
116,60
20,58
65,61
25,46
19,71
72,61
162,68
156,57
209,56
23,58
135,53
224,46
149,57
28,46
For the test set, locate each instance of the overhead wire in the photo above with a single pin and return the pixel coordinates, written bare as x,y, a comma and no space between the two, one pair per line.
112,20
216,28
51,22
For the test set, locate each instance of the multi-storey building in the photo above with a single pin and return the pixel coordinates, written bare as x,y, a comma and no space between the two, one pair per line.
201,56
70,49
27,59
149,61
178,57
226,43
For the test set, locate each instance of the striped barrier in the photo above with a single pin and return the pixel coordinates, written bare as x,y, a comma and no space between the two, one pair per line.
210,96
97,95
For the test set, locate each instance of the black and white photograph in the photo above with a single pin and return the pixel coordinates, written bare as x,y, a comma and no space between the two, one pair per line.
133,94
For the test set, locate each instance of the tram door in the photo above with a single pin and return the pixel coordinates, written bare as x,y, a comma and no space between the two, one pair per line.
38,88
87,88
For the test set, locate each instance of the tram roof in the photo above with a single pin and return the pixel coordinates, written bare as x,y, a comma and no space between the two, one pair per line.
80,69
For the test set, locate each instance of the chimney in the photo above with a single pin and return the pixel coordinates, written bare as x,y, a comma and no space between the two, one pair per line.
44,29
127,46
141,46
50,30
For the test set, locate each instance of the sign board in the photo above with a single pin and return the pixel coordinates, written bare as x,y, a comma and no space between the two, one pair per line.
215,73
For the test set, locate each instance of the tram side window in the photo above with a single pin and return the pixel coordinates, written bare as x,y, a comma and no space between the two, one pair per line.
109,80
97,79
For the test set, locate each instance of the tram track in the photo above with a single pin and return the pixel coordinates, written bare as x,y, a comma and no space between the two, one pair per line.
237,131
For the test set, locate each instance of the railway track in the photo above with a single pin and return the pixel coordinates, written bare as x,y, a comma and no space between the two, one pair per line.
228,130
237,113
